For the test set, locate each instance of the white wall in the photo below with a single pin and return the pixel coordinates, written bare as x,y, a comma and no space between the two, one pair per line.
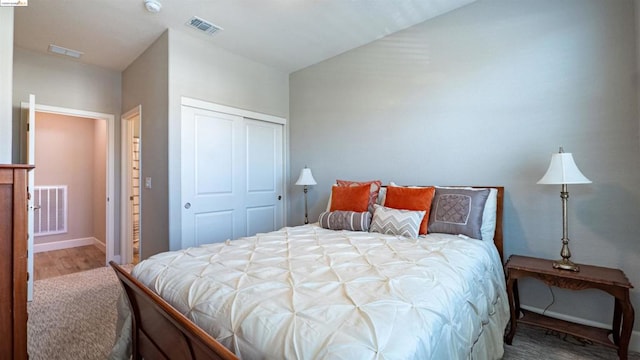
99,173
484,95
198,69
65,83
6,82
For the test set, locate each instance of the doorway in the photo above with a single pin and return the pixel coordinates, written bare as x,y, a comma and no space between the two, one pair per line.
28,151
69,194
131,204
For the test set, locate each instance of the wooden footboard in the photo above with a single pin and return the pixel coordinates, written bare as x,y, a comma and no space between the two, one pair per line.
161,332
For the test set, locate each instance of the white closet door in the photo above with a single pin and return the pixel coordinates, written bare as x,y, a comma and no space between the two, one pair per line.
212,183
231,176
264,164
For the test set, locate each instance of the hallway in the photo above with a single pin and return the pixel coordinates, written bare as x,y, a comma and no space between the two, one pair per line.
54,263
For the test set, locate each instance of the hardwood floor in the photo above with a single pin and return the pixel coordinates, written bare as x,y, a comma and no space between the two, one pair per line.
67,261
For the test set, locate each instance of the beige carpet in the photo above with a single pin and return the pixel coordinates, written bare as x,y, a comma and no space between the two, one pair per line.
73,317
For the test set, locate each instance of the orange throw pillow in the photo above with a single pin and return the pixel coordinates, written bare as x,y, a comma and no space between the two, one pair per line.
375,189
350,198
407,198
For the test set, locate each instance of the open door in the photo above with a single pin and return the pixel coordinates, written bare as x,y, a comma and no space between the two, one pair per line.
31,159
130,245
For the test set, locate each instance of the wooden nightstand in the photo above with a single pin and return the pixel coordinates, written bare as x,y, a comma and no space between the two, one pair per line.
611,281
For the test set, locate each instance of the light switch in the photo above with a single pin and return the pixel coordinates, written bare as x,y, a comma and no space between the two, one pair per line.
147,182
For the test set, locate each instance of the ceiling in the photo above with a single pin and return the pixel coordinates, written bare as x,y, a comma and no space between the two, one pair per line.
286,34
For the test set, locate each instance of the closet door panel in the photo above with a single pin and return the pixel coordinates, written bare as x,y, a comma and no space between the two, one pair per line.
212,183
264,161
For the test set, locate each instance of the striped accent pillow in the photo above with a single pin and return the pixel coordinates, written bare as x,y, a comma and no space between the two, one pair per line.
396,222
345,220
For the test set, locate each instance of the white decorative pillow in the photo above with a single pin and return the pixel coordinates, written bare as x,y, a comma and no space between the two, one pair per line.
489,215
382,196
396,222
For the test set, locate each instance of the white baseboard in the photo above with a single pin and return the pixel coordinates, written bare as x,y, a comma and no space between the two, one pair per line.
634,342
67,244
100,245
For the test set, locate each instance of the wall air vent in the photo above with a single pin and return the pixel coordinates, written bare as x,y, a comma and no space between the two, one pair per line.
203,25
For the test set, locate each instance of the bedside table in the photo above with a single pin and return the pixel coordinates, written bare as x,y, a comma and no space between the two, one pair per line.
611,281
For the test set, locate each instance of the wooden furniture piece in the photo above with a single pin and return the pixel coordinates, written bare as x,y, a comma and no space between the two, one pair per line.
13,266
160,332
157,323
611,281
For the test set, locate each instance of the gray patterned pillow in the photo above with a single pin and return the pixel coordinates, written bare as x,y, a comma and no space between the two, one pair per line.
458,211
396,222
345,220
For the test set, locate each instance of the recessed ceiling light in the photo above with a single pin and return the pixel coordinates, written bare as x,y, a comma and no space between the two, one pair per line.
64,51
152,6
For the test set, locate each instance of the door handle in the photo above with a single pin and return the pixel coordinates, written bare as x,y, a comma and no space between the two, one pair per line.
187,205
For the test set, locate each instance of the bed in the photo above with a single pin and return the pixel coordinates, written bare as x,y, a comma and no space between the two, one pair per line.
309,292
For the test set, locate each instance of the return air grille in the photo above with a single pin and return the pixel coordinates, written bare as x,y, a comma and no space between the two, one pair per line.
203,25
51,215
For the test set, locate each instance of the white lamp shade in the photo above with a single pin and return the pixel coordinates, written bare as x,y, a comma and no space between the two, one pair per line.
563,170
306,178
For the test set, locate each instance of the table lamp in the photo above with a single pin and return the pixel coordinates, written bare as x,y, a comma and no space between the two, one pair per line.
306,179
563,171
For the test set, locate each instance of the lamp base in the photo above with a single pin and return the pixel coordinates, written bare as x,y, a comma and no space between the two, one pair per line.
566,264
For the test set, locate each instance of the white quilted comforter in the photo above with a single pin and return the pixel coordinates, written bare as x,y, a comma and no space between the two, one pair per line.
311,293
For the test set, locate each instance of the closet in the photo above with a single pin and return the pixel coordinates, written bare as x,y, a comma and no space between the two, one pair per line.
232,174
13,267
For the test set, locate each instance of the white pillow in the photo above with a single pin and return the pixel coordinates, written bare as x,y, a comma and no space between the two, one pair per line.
382,196
489,215
329,203
396,222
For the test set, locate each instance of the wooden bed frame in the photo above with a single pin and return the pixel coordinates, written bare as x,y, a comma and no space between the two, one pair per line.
159,331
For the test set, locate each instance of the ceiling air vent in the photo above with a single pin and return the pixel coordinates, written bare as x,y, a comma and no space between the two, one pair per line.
203,25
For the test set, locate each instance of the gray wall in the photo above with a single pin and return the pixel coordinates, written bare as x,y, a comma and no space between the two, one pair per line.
146,82
177,65
6,76
484,95
203,71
